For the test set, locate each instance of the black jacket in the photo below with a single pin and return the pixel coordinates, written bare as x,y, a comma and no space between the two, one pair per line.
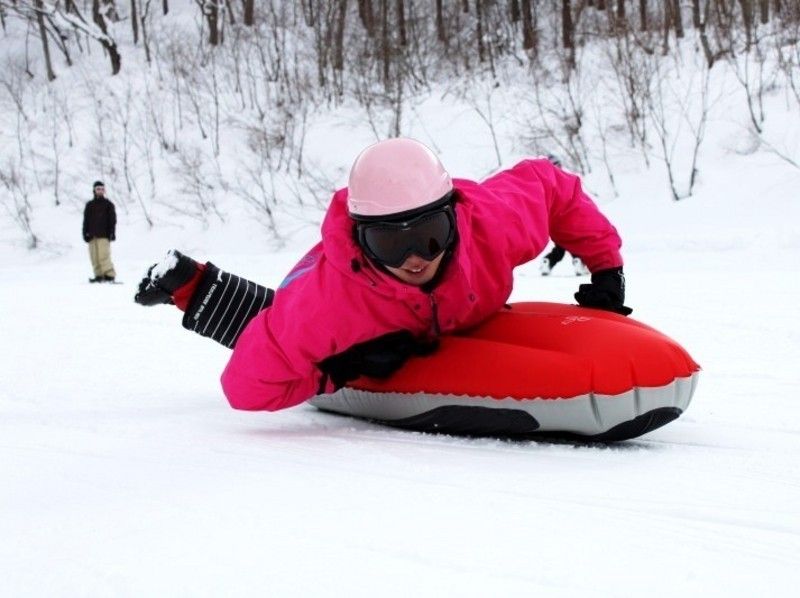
99,220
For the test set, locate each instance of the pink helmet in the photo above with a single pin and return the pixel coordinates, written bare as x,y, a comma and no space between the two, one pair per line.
394,176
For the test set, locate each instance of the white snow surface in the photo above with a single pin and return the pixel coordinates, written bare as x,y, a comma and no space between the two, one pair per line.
123,472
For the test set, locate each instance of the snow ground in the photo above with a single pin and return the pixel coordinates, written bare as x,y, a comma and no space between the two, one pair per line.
125,473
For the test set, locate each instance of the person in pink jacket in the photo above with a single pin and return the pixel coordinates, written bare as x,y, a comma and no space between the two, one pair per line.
407,255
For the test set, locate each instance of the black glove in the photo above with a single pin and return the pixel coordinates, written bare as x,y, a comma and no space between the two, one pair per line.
377,358
164,278
607,291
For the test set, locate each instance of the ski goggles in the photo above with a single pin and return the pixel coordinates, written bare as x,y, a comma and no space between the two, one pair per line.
426,235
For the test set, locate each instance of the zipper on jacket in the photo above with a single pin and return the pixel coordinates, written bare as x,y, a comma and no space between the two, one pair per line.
370,279
436,330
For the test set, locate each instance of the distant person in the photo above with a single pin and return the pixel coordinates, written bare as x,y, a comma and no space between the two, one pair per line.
557,253
407,255
99,227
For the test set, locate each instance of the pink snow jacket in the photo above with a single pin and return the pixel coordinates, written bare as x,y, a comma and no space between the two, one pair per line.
335,298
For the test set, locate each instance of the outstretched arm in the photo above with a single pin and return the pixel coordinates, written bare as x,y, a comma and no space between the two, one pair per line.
281,358
216,304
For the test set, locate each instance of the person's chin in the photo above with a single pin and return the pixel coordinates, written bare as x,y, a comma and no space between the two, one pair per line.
417,278
420,278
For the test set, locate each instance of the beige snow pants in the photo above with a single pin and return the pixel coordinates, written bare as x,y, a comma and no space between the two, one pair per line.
100,254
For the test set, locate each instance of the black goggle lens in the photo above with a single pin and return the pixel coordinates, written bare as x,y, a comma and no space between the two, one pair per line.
391,243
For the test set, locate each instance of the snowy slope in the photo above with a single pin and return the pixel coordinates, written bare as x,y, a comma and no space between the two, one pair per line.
125,473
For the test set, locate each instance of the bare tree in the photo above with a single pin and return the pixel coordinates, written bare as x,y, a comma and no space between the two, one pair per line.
554,122
567,28
101,11
45,47
788,52
699,21
630,62
126,119
282,62
211,12
367,16
440,34
676,102
619,17
747,19
134,22
478,93
667,19
529,37
677,18
401,22
16,202
749,68
143,18
54,140
338,37
643,16
600,111
200,181
14,80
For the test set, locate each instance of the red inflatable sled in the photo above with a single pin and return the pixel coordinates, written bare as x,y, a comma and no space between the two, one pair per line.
534,369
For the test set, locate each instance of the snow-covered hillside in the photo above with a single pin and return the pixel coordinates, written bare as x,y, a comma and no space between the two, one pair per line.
123,472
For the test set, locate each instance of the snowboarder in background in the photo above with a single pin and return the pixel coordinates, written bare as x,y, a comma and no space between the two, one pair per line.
557,253
99,229
407,255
